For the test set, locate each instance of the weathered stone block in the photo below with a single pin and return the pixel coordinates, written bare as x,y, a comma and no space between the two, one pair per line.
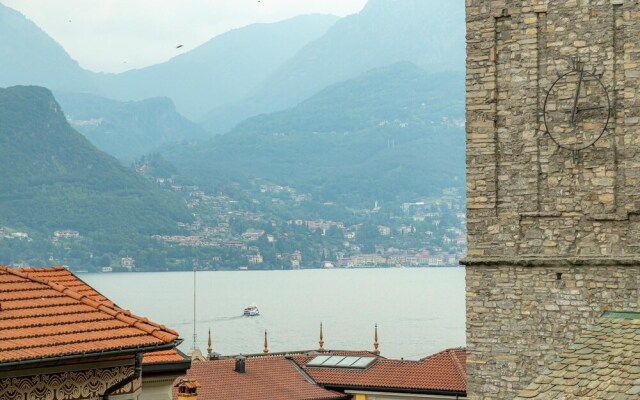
538,210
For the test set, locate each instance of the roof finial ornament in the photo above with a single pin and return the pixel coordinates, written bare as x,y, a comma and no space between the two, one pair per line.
266,343
321,341
375,341
209,348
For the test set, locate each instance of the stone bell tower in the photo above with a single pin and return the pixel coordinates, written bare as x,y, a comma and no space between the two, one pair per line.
553,179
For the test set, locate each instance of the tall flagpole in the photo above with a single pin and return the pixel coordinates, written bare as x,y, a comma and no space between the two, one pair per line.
194,308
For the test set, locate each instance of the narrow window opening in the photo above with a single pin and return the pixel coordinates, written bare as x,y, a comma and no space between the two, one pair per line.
559,281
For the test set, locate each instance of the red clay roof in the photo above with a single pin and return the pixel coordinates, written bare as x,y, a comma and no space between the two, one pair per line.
266,378
443,371
163,357
48,312
65,278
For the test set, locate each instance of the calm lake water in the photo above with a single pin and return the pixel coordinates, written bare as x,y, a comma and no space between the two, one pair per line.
419,311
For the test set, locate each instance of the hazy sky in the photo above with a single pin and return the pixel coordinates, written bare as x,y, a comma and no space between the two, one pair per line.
116,35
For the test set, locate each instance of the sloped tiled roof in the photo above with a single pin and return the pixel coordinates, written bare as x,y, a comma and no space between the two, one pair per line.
440,372
65,278
48,312
164,357
603,363
265,378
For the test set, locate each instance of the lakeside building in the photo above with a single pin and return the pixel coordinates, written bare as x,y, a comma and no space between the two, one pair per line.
61,339
128,262
66,234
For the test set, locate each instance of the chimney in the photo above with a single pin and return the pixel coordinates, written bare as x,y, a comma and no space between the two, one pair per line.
240,361
187,389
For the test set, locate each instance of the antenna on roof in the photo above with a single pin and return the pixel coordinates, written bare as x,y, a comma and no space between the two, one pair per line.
195,335
194,353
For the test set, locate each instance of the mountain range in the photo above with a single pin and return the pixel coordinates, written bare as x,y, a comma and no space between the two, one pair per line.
256,69
222,70
426,33
348,111
392,133
30,57
52,178
127,129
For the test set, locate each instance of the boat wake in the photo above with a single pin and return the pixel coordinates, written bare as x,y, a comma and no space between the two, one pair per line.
216,319
224,318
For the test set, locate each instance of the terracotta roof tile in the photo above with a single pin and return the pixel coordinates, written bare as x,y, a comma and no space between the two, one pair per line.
49,312
14,319
266,378
443,371
164,357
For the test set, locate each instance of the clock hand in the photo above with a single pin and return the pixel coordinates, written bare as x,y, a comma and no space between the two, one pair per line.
574,112
584,109
590,108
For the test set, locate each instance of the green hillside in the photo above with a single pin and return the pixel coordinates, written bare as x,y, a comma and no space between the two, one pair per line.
392,134
127,130
52,178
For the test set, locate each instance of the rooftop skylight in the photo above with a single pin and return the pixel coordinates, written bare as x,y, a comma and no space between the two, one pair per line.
341,362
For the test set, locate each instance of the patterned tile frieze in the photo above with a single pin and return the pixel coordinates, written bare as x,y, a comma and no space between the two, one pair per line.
77,385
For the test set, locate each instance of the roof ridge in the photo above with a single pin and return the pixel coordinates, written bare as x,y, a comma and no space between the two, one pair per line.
399,361
306,353
123,315
301,371
443,351
459,367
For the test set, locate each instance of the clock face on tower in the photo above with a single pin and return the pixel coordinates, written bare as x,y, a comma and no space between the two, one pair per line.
577,109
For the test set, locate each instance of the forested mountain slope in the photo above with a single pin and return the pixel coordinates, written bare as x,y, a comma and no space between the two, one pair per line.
390,134
127,129
53,178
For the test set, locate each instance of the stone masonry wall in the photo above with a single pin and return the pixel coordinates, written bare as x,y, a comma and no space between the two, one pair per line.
520,317
534,209
525,194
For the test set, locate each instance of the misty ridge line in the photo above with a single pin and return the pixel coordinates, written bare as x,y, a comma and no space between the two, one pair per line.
333,123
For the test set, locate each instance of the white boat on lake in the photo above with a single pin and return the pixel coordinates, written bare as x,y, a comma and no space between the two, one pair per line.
251,311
